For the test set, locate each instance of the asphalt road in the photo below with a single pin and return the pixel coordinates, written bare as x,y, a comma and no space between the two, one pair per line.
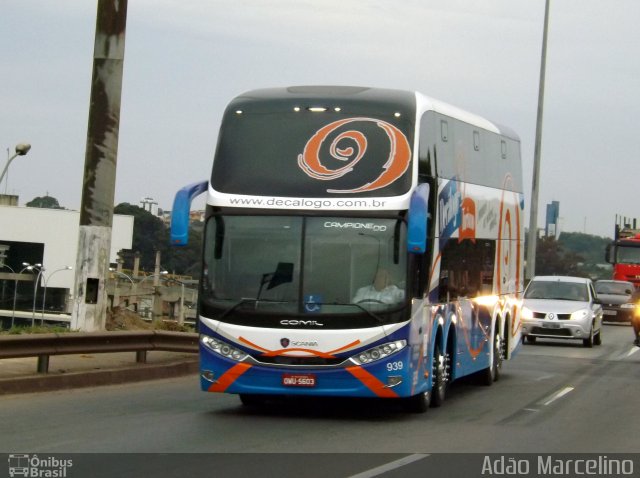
554,397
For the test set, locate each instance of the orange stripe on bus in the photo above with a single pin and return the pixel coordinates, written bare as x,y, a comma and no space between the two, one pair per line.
371,382
344,347
284,352
251,344
230,376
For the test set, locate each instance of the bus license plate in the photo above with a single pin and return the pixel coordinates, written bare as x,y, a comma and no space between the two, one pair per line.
298,380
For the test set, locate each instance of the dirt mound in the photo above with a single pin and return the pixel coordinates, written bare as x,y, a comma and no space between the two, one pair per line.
124,319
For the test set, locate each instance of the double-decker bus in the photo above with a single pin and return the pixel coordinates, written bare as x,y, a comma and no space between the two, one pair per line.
358,242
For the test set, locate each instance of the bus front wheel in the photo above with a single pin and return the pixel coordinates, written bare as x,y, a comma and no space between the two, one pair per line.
418,403
249,400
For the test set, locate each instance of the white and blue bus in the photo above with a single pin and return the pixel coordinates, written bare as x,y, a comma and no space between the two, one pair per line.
359,242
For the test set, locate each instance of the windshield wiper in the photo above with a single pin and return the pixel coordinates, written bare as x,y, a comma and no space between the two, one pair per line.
234,307
244,301
371,314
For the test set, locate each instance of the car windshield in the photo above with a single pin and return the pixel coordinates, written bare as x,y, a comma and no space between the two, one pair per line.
557,290
614,288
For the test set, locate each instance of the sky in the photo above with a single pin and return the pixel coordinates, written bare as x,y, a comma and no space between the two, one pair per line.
186,59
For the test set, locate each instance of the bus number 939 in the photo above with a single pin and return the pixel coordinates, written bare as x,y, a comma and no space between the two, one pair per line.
394,366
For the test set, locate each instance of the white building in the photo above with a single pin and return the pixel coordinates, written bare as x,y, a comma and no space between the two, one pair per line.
50,237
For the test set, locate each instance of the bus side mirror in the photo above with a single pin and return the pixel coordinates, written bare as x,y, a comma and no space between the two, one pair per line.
418,218
180,213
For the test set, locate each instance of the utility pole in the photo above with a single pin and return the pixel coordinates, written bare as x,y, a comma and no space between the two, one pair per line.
530,270
98,189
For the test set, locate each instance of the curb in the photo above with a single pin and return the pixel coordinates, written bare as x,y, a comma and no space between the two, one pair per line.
96,378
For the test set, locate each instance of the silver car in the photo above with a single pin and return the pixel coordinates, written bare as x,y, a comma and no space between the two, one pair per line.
562,307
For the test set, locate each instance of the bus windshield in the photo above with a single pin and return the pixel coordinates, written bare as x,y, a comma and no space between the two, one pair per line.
261,267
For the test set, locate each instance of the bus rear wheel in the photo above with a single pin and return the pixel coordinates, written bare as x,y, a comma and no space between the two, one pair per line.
441,373
492,372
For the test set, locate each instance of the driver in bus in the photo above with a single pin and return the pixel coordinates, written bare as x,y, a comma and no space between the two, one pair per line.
381,291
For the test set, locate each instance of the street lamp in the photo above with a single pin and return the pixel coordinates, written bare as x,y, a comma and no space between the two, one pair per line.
114,271
28,267
21,150
155,285
116,296
44,295
4,282
182,284
530,269
159,274
40,270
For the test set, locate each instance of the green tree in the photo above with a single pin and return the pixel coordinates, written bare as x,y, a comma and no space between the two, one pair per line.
553,259
46,202
150,235
591,248
574,253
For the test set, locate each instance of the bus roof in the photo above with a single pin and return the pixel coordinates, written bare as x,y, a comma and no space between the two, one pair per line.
426,103
419,101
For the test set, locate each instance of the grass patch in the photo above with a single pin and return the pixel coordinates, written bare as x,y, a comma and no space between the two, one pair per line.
36,329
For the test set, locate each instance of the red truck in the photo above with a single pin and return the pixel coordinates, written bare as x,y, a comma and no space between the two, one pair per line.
624,254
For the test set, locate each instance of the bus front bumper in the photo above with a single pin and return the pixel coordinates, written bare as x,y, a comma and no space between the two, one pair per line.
374,380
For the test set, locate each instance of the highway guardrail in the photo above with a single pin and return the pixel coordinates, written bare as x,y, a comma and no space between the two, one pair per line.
140,342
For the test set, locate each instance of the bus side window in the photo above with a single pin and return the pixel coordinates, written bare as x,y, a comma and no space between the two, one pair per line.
466,269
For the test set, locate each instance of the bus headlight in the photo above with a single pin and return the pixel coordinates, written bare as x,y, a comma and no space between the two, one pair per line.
379,352
223,348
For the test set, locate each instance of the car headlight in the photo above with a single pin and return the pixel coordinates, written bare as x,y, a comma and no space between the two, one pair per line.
223,348
580,314
526,313
379,352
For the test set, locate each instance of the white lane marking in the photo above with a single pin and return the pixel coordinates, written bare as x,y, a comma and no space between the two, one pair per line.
555,396
379,470
633,350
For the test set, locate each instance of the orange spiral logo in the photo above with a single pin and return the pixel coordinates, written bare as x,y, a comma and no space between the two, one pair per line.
394,167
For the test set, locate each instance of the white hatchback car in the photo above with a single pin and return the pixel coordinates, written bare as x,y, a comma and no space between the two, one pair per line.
562,307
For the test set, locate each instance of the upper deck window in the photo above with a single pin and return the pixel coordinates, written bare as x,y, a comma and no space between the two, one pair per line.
331,151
